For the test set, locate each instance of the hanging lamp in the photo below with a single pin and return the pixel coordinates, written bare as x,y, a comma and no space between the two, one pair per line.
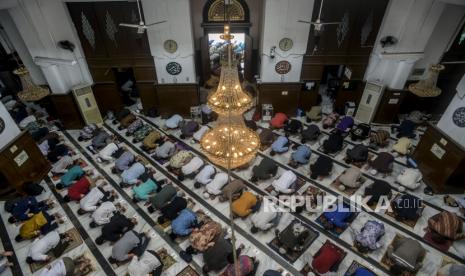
427,87
30,91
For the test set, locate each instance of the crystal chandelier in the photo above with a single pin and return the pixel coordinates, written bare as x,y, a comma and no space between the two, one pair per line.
230,143
427,87
30,92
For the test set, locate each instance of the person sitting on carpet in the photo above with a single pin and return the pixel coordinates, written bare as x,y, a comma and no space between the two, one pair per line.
407,207
205,176
293,126
165,151
58,152
292,239
106,154
62,165
130,245
301,156
152,141
190,169
202,238
410,178
179,159
314,114
173,122
127,121
322,167
124,161
266,169
311,133
330,120
383,163
142,191
445,226
115,229
334,143
183,224
52,242
219,255
232,190
245,205
376,190
23,208
171,210
200,133
357,155
103,214
327,258
245,264
87,132
337,218
131,176
452,269
39,224
215,186
405,254
188,129
162,197
278,120
405,129
367,239
149,263
81,188
286,183
263,220
350,178
101,139
101,193
379,139
74,173
266,137
134,126
280,145
402,146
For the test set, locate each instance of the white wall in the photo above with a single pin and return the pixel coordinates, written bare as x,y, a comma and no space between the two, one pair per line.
42,23
446,123
179,28
11,129
279,21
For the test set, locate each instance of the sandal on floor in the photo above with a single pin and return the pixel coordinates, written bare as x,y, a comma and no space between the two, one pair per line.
450,201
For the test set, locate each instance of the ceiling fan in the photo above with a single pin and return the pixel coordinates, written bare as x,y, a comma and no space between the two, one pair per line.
318,24
141,27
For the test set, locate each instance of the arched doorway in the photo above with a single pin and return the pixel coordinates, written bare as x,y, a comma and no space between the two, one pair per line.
214,18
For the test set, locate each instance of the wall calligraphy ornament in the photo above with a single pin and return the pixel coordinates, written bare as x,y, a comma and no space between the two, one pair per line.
173,68
283,67
459,117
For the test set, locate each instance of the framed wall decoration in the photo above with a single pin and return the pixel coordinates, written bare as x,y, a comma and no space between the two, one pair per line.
173,68
283,67
170,46
459,117
286,44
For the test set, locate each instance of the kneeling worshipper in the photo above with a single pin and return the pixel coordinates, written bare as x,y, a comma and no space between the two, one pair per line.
334,143
120,115
246,265
245,204
48,145
74,173
328,258
337,218
162,197
39,224
264,220
190,169
286,183
124,161
171,210
445,226
292,239
278,120
232,190
165,151
357,155
452,269
367,239
179,159
127,121
301,156
106,154
407,207
152,141
311,133
200,133
379,139
53,242
205,176
350,178
280,145
58,152
360,132
130,245
148,264
141,133
63,267
293,126
183,224
314,114
188,129
321,168
87,132
100,140
100,193
115,229
383,163
345,124
62,165
376,190
402,146
219,255
267,137
4,260
79,189
104,213
330,120
405,129
142,191
266,169
202,238
134,126
410,178
21,209
173,122
215,186
131,176
405,254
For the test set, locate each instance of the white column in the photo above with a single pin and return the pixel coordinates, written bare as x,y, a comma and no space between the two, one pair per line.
280,21
178,28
